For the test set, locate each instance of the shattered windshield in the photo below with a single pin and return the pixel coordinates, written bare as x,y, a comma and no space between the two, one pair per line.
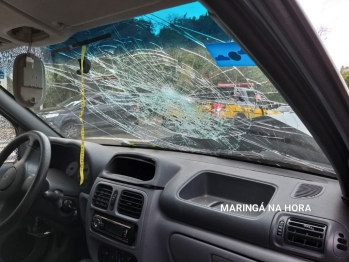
174,80
70,101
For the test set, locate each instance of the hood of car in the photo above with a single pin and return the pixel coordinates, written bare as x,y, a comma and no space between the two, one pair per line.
54,110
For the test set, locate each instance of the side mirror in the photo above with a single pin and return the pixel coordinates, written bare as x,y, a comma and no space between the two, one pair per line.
29,82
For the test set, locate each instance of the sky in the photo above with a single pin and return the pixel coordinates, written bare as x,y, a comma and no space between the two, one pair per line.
191,10
334,15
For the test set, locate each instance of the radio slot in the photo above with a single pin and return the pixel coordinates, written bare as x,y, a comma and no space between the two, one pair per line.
114,228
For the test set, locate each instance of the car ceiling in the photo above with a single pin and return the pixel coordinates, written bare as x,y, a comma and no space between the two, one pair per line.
61,19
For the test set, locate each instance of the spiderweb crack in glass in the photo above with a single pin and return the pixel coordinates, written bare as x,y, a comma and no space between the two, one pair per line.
154,81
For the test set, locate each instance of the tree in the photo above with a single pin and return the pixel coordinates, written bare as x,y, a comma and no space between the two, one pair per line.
346,77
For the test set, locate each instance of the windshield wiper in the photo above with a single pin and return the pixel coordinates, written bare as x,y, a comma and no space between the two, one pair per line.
110,141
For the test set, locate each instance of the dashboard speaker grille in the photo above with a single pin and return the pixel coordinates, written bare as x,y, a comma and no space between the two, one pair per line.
305,234
130,204
102,196
307,191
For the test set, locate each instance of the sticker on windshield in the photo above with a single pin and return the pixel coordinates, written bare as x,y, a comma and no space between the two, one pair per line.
229,54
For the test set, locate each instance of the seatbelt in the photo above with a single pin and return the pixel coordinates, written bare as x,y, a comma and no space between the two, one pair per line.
82,147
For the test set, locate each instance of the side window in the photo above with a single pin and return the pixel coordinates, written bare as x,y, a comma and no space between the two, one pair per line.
7,134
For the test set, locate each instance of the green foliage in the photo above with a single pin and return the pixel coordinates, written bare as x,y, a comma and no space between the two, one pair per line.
345,76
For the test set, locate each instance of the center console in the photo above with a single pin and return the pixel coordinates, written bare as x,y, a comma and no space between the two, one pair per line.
114,220
116,209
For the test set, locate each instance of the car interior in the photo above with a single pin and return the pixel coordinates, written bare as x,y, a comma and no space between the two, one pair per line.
166,167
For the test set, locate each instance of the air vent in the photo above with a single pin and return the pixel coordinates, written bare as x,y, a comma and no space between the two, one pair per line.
305,234
307,191
341,245
102,196
130,204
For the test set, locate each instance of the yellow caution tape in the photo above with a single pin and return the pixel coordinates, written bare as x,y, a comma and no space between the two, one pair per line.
82,148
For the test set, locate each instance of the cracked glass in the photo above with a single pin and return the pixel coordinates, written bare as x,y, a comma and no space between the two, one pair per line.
155,83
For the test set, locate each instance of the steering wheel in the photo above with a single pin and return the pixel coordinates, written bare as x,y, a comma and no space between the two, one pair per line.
16,180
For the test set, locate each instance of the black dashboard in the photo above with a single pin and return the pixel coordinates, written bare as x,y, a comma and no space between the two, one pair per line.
66,158
152,205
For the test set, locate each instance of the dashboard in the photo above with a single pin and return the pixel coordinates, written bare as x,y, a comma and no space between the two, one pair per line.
152,205
66,158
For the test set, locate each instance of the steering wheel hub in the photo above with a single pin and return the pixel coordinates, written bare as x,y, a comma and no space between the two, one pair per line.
8,178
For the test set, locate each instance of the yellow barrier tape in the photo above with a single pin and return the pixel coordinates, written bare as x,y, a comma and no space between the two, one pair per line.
82,148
